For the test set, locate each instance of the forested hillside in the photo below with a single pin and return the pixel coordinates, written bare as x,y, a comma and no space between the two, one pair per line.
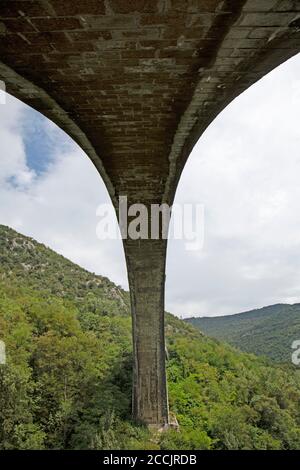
67,380
269,331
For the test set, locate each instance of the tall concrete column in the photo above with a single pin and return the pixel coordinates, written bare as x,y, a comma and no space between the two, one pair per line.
146,273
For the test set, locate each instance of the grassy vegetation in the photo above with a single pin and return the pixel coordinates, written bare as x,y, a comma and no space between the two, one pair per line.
67,381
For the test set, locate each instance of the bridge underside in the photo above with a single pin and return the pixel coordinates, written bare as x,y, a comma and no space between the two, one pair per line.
135,83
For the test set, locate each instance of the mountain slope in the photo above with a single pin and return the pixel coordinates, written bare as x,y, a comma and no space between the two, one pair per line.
269,331
67,380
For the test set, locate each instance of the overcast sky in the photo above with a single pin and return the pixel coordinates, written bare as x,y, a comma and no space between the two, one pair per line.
245,170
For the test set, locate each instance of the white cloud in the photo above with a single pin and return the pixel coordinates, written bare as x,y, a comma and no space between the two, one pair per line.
245,170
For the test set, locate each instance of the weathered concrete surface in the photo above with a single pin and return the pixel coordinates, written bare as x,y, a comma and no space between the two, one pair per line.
135,83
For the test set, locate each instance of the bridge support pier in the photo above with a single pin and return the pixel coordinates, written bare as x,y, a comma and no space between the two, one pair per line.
146,273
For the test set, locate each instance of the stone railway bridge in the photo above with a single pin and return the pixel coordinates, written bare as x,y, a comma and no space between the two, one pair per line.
135,83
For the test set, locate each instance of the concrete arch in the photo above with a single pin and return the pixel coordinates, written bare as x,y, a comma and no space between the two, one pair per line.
41,101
